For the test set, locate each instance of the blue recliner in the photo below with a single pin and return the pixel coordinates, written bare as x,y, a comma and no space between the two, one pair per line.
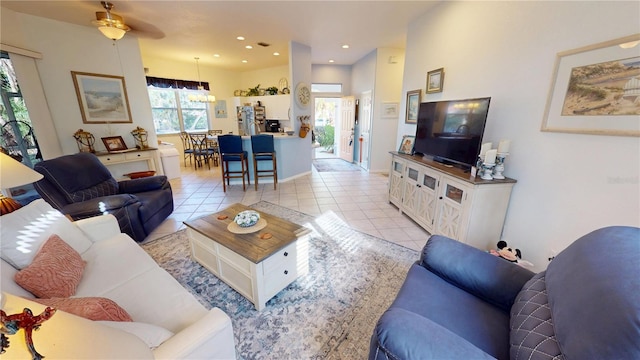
458,302
81,186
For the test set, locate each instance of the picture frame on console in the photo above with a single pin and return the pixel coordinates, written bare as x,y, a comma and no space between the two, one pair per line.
413,105
406,145
435,81
594,90
102,98
114,143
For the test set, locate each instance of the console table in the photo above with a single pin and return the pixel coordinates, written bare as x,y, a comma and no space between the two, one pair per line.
448,201
149,158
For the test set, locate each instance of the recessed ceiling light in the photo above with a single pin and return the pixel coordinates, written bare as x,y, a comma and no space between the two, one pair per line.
331,61
244,61
276,54
345,46
216,55
240,38
248,47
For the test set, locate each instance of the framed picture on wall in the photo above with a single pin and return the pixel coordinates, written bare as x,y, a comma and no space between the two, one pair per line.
406,146
596,90
435,80
413,104
221,109
102,98
389,110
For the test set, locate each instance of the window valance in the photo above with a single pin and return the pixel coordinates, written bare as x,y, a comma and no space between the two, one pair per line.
175,83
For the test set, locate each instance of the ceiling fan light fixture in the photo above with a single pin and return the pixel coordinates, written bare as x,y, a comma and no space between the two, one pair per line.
111,32
110,25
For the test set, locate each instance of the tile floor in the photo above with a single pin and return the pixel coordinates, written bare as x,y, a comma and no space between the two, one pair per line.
357,197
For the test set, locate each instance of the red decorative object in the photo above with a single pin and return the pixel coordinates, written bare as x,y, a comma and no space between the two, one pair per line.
25,320
140,174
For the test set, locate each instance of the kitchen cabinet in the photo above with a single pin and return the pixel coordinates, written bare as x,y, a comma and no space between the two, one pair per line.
276,106
447,201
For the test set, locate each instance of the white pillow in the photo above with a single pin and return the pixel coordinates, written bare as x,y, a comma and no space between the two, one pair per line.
152,335
26,229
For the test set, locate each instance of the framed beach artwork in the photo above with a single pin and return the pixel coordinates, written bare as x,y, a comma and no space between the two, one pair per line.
596,90
102,98
406,146
390,110
413,105
435,80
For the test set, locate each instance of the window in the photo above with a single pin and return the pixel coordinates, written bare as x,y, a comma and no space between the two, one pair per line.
173,112
326,88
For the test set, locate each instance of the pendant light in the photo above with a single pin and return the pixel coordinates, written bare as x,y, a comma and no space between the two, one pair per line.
204,96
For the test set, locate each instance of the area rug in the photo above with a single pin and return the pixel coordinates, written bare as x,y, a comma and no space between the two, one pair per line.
329,313
327,165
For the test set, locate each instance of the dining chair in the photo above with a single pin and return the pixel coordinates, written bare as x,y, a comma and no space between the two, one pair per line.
213,145
231,151
201,151
263,150
187,150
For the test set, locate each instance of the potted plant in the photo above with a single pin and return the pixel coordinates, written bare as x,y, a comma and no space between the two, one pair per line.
272,90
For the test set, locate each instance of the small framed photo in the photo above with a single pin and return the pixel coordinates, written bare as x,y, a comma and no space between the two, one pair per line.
435,80
406,146
413,105
114,143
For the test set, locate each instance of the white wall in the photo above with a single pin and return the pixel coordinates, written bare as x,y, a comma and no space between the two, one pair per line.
388,89
264,77
568,184
332,74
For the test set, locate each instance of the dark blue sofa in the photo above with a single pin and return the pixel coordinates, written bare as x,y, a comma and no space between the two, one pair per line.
458,302
80,186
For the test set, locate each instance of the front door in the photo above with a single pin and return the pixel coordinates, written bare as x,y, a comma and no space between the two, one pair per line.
347,124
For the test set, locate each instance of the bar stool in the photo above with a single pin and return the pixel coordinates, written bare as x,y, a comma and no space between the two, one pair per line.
231,150
262,148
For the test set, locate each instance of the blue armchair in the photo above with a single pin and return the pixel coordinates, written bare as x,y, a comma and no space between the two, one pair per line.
458,302
81,186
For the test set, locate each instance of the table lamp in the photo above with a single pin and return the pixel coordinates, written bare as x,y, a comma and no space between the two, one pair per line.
12,174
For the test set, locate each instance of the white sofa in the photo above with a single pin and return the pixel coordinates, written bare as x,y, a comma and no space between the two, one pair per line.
117,269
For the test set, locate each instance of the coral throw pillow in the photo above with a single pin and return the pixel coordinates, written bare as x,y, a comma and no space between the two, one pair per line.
56,270
92,308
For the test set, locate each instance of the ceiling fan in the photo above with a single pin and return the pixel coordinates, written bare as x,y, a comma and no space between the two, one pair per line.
111,25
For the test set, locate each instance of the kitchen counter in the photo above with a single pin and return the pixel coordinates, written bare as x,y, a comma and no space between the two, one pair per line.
293,155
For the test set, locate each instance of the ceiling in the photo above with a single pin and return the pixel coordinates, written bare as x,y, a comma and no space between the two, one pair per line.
182,30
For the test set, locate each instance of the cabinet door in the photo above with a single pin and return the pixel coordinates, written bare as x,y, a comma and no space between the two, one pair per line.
396,183
450,216
411,196
426,210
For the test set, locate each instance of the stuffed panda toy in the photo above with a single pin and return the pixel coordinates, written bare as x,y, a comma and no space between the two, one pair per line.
506,252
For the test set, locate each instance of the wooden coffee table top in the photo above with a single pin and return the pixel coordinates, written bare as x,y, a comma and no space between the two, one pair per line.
250,246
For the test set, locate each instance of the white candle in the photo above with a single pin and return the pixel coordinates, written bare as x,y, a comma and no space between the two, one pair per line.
484,148
503,147
490,157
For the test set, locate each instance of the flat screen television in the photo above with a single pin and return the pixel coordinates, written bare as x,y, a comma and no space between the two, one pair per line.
451,131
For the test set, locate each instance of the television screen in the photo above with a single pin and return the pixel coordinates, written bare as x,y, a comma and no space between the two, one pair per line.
451,131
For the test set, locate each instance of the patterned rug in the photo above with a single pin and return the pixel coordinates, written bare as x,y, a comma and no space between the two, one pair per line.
328,314
327,165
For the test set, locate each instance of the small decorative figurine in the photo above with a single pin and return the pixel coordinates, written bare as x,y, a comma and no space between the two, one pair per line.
85,141
140,135
10,324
